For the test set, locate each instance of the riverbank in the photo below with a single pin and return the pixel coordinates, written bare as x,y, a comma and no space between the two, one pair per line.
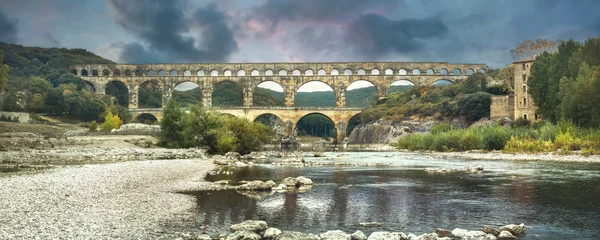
498,155
124,200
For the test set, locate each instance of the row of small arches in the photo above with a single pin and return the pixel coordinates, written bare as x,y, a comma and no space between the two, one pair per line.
309,72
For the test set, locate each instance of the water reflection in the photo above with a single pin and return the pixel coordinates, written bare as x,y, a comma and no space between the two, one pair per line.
559,200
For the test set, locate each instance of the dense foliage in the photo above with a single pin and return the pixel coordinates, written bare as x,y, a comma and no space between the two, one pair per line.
541,137
217,132
466,99
566,84
3,72
316,125
38,81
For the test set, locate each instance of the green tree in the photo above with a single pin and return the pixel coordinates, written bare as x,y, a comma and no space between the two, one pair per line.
111,122
538,84
199,129
3,72
583,95
247,136
568,107
55,102
37,103
39,85
171,126
475,83
595,98
475,106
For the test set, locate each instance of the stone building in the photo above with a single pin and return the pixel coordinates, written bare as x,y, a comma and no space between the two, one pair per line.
524,107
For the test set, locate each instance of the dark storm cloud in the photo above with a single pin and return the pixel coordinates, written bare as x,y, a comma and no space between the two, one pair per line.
376,35
8,29
164,26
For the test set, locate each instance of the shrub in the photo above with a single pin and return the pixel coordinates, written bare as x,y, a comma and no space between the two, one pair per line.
93,126
521,122
440,128
111,122
530,145
495,137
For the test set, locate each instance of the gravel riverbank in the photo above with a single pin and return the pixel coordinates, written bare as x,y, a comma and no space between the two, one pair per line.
549,157
126,200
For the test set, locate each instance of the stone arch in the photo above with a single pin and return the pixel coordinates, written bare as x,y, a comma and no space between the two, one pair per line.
139,72
162,73
200,73
352,123
389,72
241,73
90,85
308,72
282,72
128,73
403,72
442,82
321,72
268,93
150,73
119,90
348,72
105,72
360,71
482,71
187,93
296,73
457,71
470,71
400,85
325,128
269,72
187,73
227,93
315,93
227,73
94,72
84,72
117,72
361,93
374,71
150,94
214,73
430,71
173,73
444,71
334,72
146,118
272,121
416,71
255,73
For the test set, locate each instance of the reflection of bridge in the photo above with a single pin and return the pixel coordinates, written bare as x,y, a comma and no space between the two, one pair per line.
288,115
290,76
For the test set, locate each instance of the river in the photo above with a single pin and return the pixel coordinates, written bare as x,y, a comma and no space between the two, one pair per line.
559,200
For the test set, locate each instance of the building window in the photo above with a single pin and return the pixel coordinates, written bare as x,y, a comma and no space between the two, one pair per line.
524,67
524,88
524,77
524,101
535,116
525,116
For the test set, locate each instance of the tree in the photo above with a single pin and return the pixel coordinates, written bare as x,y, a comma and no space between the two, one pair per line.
568,107
595,98
3,72
171,126
55,102
528,48
37,103
111,122
475,83
507,74
39,85
583,96
199,129
247,136
538,85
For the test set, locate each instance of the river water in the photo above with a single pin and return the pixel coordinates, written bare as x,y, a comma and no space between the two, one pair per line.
559,200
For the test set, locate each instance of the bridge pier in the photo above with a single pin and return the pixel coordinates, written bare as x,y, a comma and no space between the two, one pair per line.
207,97
340,129
133,96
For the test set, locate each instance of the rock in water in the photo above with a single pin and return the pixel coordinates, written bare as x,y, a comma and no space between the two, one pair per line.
358,235
383,236
335,235
245,235
506,235
295,236
271,233
304,180
490,230
250,225
428,236
443,232
233,156
258,185
516,230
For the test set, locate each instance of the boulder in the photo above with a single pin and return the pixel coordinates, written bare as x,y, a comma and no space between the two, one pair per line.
506,235
233,156
358,235
490,230
203,237
296,182
244,235
428,236
516,230
220,160
383,236
443,232
295,236
249,225
304,180
258,185
271,233
334,235
472,235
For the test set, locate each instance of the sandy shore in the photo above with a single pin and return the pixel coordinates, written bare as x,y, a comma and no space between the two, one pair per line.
126,200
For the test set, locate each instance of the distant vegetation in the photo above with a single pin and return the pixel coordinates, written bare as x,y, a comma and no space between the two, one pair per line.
38,81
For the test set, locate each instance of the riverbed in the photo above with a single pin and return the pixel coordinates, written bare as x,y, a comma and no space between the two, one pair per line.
559,200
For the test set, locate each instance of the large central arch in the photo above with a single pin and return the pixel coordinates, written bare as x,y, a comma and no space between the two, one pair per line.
227,94
187,93
150,95
316,125
268,93
119,91
315,94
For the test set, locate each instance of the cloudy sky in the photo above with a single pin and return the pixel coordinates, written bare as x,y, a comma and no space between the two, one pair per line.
149,31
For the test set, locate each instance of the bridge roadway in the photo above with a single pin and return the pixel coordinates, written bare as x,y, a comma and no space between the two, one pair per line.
289,116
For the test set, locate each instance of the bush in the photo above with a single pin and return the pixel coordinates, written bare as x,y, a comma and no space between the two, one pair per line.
495,137
111,122
516,144
93,126
440,128
521,122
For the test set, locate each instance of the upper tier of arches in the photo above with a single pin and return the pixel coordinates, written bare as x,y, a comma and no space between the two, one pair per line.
279,69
